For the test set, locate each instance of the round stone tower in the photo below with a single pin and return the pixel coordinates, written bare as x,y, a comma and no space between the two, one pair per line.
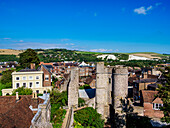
101,83
120,86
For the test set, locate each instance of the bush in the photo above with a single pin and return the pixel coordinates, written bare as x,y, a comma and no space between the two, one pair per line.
57,101
4,86
81,102
22,91
88,117
86,86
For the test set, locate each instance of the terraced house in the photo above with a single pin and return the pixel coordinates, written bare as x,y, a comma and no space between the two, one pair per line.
38,80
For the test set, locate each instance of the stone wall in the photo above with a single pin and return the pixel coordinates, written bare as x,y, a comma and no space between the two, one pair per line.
42,117
73,88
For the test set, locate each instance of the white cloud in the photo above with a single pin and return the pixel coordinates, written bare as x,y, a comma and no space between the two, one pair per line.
35,45
101,50
6,38
72,44
116,50
142,10
21,41
157,4
65,40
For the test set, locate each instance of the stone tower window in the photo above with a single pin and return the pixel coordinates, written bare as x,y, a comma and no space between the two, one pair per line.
109,80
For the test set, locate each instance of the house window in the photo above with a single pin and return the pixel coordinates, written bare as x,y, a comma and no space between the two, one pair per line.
17,78
157,106
46,77
24,78
37,84
37,77
37,91
30,84
30,78
24,84
17,85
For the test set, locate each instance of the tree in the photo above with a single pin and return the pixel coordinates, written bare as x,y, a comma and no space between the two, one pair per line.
7,78
28,57
22,91
88,117
164,94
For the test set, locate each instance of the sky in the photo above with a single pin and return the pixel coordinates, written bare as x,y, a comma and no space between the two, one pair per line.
86,25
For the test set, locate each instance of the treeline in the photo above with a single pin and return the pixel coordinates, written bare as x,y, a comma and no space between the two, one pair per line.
136,63
5,58
58,55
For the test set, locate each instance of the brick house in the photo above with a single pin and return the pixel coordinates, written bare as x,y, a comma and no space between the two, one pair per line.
151,104
47,75
142,84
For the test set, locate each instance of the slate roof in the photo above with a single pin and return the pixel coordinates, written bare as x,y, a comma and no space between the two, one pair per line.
146,80
88,80
28,70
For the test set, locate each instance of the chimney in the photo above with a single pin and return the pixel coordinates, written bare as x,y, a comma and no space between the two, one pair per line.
35,95
32,65
34,100
149,72
145,75
17,97
131,74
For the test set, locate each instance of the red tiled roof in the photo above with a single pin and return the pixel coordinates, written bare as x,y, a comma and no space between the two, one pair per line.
158,101
46,63
149,96
16,114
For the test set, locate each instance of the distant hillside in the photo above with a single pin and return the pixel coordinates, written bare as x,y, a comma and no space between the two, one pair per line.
54,55
10,51
151,55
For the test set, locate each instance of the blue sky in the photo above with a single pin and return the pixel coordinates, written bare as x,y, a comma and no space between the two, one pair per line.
91,25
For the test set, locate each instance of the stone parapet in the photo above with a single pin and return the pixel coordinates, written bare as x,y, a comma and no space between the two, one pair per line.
42,117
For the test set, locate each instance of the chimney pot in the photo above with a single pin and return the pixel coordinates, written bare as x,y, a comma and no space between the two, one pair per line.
33,95
17,96
32,65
